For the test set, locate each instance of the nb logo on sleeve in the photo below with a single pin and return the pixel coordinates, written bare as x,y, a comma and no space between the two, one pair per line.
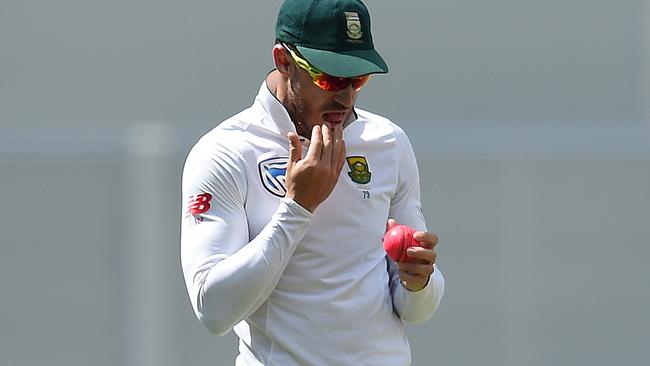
199,204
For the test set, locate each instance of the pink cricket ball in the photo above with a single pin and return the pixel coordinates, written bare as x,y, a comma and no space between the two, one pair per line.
397,240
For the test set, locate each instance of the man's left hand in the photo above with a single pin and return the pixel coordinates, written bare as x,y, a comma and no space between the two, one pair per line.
415,275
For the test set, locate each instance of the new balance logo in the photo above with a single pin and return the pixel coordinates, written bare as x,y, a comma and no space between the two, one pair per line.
198,204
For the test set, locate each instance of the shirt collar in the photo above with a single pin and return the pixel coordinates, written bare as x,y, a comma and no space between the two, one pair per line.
276,116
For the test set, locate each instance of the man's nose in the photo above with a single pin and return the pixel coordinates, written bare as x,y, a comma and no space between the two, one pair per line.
346,96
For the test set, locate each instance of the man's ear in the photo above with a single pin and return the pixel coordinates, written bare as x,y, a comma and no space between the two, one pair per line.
281,59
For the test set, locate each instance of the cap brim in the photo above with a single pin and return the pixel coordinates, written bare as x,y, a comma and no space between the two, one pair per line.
346,63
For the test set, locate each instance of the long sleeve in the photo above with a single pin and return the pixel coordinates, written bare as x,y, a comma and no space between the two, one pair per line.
418,306
227,276
406,209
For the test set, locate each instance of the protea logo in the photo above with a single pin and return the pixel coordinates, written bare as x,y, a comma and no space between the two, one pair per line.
272,173
359,171
354,25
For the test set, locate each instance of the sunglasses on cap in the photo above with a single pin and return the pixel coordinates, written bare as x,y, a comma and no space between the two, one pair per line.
324,81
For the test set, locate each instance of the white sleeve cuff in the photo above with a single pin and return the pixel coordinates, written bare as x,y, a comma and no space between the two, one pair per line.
418,306
296,208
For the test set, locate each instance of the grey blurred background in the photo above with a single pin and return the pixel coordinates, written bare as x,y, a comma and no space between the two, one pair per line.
530,119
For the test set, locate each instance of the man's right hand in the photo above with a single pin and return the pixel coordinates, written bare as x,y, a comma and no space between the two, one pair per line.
311,180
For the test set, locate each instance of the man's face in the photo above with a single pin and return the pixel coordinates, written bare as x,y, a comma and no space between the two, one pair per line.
309,105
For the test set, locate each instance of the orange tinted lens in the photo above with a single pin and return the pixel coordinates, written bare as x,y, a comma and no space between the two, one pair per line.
359,82
326,82
334,84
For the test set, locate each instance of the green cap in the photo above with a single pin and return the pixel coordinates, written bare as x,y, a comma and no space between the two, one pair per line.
333,35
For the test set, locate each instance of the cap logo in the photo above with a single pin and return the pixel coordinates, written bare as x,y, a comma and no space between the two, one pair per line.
354,26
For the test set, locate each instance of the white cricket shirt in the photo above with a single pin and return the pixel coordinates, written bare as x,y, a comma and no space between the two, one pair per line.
301,288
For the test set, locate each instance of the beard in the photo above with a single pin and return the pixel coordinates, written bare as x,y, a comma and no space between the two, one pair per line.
296,107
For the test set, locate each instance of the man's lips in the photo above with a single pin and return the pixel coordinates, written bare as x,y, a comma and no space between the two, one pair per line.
334,117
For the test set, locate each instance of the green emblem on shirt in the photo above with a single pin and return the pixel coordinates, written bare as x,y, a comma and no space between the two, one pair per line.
359,171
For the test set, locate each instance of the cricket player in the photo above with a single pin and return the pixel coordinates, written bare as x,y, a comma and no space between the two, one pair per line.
286,204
